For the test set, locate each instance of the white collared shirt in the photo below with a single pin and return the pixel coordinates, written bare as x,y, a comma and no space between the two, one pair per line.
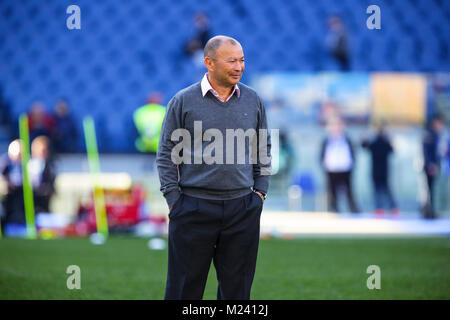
206,86
338,157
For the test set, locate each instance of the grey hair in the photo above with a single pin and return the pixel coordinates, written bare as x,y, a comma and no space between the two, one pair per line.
214,44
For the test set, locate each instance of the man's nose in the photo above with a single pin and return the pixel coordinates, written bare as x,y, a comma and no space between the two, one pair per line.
238,66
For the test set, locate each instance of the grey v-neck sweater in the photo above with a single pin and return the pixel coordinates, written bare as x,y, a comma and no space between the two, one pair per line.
219,180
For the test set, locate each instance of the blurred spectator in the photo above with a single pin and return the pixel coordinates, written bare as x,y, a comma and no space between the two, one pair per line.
39,121
328,110
42,173
65,135
148,120
447,173
438,95
380,149
337,42
447,159
286,155
337,158
6,119
11,168
194,46
432,160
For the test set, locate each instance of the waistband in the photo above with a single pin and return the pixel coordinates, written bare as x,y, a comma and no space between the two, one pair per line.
215,194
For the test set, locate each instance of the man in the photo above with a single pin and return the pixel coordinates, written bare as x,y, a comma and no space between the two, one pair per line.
13,205
338,43
380,149
432,161
337,158
202,34
215,207
42,173
148,121
65,135
40,122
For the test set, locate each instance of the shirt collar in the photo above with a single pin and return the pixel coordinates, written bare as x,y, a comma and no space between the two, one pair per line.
206,86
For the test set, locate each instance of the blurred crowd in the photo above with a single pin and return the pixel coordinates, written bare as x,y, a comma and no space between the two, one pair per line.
59,126
337,160
50,134
41,175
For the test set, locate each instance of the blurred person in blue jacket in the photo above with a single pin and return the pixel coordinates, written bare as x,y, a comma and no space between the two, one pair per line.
431,162
65,133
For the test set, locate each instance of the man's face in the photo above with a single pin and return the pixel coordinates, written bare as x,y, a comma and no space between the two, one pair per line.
228,64
61,108
335,128
438,125
14,151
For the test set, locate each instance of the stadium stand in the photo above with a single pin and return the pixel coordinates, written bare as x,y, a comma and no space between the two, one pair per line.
124,50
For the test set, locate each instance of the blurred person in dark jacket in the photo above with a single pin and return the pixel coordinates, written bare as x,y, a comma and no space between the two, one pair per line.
201,36
337,42
380,149
338,160
42,173
195,45
65,133
431,162
11,169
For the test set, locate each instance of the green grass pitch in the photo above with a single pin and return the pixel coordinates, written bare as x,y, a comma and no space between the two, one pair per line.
311,268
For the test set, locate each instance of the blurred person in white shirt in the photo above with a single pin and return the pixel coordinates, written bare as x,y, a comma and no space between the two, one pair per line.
337,159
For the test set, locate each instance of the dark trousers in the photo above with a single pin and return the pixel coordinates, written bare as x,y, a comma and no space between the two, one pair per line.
337,180
383,192
428,210
13,207
223,231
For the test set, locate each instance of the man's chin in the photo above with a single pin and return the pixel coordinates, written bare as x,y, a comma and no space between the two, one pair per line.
235,80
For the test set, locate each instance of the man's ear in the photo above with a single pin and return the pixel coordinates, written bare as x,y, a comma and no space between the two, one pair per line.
209,63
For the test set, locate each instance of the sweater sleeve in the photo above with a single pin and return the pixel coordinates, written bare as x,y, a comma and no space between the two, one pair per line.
262,169
167,170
